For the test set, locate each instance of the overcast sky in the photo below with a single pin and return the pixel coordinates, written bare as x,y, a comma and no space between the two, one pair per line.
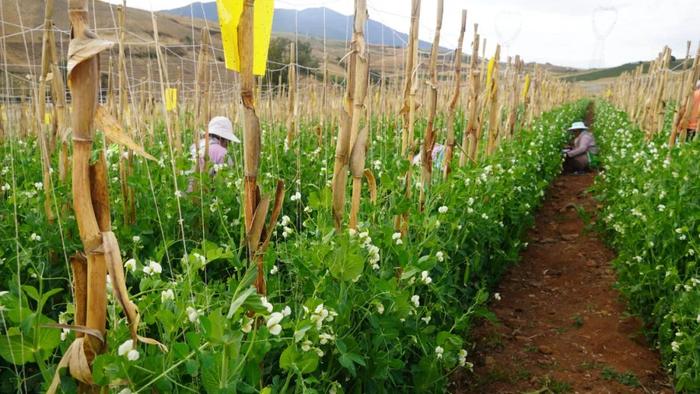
579,33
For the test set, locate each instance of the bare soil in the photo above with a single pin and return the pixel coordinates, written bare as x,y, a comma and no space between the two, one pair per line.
562,327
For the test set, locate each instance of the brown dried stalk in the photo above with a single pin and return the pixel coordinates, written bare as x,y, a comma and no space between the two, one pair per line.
450,142
255,207
493,104
358,138
429,140
469,140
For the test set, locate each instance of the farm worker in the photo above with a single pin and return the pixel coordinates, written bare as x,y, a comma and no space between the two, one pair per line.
582,155
694,113
438,156
220,132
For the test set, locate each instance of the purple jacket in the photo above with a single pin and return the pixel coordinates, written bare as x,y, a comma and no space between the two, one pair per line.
584,143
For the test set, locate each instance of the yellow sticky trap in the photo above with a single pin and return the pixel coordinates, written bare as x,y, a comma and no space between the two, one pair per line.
229,16
489,72
526,86
47,118
170,99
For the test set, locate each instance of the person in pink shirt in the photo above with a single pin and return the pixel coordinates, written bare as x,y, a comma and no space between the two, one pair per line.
220,132
581,156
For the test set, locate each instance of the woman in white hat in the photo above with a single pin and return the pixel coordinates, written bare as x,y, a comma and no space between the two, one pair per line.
582,155
220,132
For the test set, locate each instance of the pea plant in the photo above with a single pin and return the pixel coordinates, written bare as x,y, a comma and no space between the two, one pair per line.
651,214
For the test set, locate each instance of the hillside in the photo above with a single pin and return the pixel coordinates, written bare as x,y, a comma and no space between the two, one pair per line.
311,22
611,72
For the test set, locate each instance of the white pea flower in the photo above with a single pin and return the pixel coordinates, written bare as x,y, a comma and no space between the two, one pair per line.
462,357
6,187
415,299
167,295
443,209
273,323
178,193
266,304
35,237
133,355
675,346
274,270
295,197
287,311
247,326
130,265
425,277
306,345
125,347
193,314
426,319
439,351
152,268
497,296
319,352
440,256
380,309
39,185
136,239
325,338
125,391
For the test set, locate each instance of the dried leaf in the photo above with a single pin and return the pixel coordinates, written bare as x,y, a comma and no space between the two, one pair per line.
85,330
116,273
75,360
83,48
372,184
113,130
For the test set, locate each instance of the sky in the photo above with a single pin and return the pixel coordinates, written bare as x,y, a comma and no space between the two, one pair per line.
576,33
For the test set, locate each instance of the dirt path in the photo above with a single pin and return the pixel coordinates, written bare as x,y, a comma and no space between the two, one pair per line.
562,327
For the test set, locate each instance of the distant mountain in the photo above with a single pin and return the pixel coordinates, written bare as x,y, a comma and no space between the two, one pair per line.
310,23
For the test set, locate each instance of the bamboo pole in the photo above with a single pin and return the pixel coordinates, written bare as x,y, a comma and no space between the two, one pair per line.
408,110
429,140
125,158
83,74
492,84
358,137
43,137
469,141
450,142
291,99
255,206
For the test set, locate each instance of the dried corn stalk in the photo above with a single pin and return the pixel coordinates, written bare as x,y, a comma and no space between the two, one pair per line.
429,140
91,204
450,142
255,207
358,137
469,140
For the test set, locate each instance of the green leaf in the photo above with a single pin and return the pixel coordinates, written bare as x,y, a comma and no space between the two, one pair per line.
346,264
293,360
15,350
31,292
238,301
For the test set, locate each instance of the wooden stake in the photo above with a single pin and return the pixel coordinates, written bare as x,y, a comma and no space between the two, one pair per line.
429,140
450,142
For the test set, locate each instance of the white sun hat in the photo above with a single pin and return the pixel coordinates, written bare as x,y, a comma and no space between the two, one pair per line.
578,126
222,127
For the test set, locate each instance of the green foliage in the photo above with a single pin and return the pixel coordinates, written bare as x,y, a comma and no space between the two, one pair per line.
363,311
652,215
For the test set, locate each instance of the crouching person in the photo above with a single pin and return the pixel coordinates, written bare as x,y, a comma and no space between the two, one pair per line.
581,156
